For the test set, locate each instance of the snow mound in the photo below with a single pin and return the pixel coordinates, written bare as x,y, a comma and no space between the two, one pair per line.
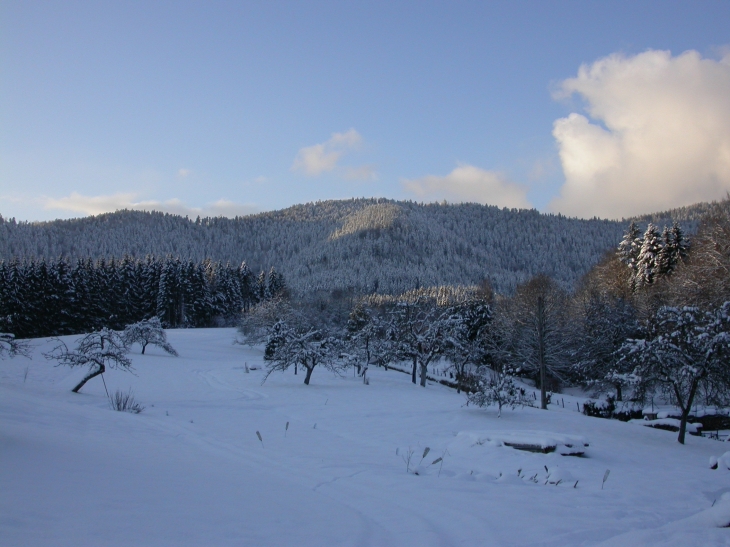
531,441
723,462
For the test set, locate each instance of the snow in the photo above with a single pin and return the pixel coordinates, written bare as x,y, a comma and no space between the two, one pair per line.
191,471
668,422
530,440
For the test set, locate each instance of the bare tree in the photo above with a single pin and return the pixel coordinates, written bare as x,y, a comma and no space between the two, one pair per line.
10,346
685,353
97,350
366,339
531,334
256,323
147,332
467,342
303,339
703,280
601,325
419,331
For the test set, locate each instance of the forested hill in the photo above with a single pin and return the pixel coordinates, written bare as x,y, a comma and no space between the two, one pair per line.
364,245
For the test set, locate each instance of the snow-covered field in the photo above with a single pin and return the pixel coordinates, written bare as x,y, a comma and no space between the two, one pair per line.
190,470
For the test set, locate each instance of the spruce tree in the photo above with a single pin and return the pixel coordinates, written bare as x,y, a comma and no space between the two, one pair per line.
628,251
646,266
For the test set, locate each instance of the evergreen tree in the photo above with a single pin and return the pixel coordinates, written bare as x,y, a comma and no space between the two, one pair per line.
261,287
646,263
275,285
673,250
168,296
246,282
151,272
84,307
62,285
628,251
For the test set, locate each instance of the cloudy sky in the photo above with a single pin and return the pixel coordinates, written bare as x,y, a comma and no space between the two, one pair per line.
224,108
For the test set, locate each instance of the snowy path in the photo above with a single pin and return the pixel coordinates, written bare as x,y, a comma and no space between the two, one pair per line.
190,470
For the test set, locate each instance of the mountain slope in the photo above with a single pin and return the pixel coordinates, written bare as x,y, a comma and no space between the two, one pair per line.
361,245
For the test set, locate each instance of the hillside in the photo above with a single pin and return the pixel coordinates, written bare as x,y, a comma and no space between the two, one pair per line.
360,245
191,471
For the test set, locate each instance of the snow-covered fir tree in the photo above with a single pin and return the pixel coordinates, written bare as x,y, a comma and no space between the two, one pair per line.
673,250
646,263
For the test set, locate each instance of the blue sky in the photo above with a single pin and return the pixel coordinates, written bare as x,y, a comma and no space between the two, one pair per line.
231,107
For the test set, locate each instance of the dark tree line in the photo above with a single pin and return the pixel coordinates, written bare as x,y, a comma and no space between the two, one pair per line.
51,298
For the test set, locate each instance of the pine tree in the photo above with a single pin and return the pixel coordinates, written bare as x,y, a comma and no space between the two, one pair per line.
628,251
261,287
167,299
246,283
673,251
151,271
646,264
275,285
62,285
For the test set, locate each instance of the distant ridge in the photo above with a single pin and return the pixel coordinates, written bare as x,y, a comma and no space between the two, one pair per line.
356,245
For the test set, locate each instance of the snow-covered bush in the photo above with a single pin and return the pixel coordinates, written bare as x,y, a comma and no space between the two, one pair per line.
497,387
607,408
147,332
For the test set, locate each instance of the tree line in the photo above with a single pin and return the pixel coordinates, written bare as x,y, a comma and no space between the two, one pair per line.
56,297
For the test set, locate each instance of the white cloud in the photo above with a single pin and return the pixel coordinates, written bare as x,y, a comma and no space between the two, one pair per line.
659,135
320,158
182,173
469,183
96,205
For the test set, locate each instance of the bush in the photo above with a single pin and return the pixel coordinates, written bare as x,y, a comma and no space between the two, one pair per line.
124,402
607,409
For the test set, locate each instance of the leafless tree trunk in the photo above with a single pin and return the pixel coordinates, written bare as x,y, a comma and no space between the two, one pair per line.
541,351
